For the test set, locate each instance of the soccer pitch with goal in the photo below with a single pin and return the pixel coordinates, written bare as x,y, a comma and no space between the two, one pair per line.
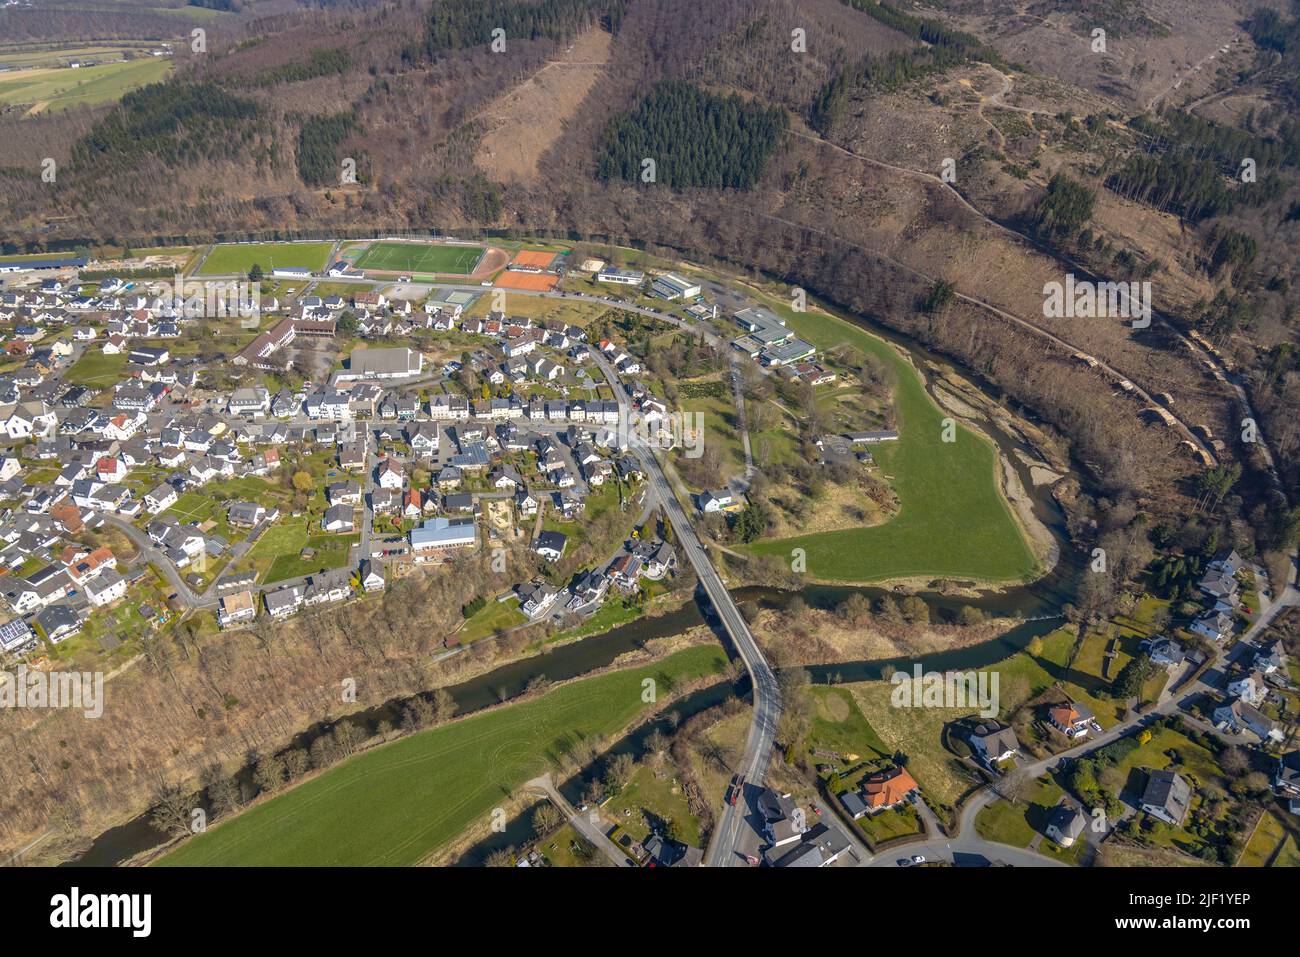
420,257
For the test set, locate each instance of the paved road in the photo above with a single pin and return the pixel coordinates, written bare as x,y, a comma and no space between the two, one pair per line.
730,835
151,554
727,836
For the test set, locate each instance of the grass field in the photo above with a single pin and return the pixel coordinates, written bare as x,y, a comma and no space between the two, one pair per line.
28,257
952,519
241,257
838,725
420,258
1268,834
96,369
649,798
919,731
58,89
396,804
494,616
275,555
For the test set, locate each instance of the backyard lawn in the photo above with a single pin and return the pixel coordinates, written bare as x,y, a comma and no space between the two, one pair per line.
888,825
493,617
648,802
276,556
565,848
1018,824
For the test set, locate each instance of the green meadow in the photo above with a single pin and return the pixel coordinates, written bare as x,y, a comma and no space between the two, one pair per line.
394,805
952,519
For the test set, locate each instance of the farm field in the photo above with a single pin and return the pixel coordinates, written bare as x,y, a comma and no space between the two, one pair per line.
396,804
55,55
952,519
241,257
420,258
58,89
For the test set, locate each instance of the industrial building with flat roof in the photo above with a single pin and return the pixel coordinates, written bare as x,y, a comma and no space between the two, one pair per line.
624,277
672,286
399,363
441,534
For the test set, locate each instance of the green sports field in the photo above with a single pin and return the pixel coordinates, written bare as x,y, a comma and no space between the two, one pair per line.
420,257
395,805
241,257
952,519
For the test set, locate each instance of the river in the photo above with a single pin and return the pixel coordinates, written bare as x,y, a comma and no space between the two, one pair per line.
1035,606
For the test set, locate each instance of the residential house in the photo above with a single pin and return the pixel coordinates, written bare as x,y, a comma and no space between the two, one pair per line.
283,602
1286,777
716,501
1065,824
994,741
1164,652
1167,796
536,598
337,518
59,622
391,475
1249,687
327,587
550,545
1215,625
236,608
1241,717
886,789
780,823
246,514
1071,719
372,576
106,588
819,846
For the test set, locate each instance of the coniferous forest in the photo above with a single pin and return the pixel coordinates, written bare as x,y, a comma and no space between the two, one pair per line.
694,137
